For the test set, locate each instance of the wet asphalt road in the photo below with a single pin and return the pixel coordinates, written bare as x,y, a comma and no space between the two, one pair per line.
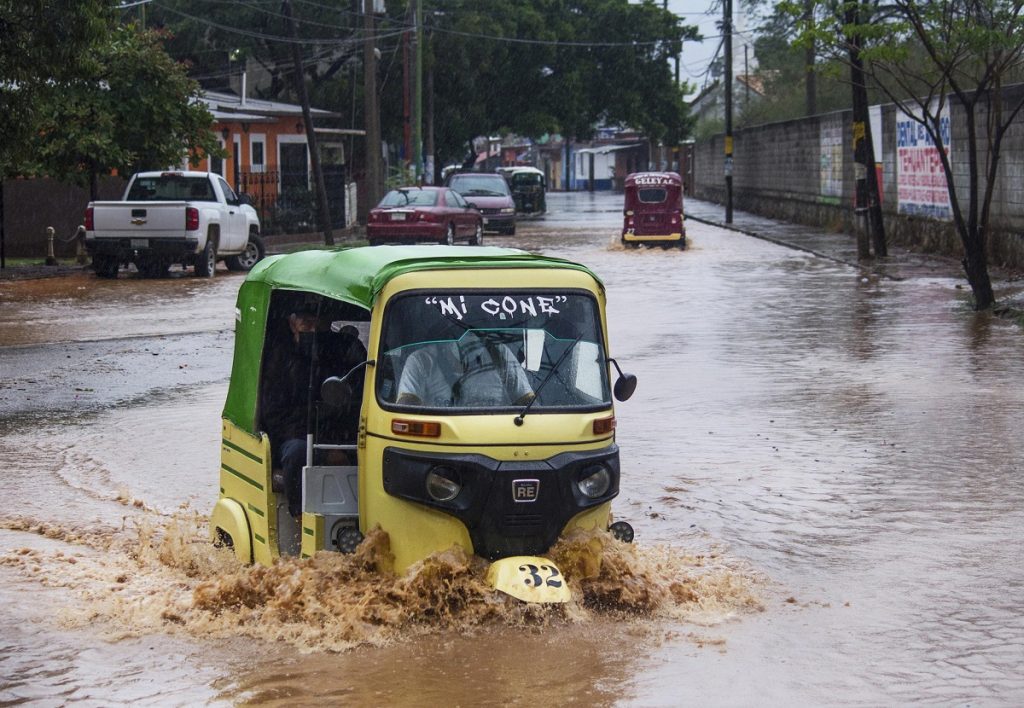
850,439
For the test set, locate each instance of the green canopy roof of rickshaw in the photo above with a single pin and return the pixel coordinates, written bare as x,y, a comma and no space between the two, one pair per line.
357,275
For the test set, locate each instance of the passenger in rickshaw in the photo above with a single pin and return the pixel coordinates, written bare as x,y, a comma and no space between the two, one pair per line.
298,360
471,371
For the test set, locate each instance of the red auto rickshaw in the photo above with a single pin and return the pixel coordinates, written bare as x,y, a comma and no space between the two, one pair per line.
653,213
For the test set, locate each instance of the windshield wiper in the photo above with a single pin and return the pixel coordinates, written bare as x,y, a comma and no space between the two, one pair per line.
536,394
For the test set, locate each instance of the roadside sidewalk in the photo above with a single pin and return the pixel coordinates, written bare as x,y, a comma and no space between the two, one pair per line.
275,244
900,264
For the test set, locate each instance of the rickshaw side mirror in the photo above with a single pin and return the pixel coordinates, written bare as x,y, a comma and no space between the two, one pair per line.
336,390
625,385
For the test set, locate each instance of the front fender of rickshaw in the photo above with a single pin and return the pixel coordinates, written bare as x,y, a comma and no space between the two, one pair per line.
228,525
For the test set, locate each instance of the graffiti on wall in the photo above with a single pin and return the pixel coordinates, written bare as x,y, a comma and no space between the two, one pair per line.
831,152
920,179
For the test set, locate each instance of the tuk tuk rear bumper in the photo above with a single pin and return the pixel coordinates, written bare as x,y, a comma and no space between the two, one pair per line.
632,236
509,508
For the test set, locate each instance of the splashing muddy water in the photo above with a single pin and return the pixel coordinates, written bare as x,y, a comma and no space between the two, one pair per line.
822,468
149,579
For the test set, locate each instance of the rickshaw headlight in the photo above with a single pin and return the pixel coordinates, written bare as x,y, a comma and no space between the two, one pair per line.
594,481
443,483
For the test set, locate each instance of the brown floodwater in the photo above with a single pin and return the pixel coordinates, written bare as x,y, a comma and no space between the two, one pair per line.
823,470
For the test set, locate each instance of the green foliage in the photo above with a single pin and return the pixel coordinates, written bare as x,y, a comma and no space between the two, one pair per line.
607,61
43,43
526,66
135,109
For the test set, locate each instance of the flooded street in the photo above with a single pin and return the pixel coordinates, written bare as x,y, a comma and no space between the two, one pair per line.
837,459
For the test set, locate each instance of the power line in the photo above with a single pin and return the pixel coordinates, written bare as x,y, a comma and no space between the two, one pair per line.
399,29
354,39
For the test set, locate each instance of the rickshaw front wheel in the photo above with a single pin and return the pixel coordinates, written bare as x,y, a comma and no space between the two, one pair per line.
348,539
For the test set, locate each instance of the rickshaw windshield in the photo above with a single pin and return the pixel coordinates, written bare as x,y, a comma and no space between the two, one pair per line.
652,195
526,179
473,351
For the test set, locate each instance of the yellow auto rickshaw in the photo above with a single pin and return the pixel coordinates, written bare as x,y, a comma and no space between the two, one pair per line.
447,395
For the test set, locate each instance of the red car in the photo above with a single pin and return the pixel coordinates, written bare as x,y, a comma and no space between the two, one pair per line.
434,214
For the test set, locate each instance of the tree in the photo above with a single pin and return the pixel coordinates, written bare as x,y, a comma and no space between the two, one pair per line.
45,42
542,66
135,110
525,66
923,54
783,68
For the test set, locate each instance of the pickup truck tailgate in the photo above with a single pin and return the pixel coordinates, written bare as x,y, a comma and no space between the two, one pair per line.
139,219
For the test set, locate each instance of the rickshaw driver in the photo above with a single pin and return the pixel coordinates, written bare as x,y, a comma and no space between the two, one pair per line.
284,401
468,372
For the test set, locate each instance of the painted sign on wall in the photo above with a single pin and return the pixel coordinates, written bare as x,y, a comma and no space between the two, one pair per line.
920,179
831,153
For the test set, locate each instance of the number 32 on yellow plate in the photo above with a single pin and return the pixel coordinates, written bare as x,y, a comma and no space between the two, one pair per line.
529,578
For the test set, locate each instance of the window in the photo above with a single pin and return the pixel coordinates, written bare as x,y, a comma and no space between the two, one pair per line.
472,350
480,185
652,195
171,188
229,194
409,197
217,163
257,153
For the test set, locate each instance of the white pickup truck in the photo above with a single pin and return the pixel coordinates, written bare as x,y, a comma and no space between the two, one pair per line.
191,218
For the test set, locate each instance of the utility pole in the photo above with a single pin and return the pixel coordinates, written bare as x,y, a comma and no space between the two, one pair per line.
746,77
323,212
3,234
417,125
406,100
810,78
429,168
727,41
867,202
371,109
677,49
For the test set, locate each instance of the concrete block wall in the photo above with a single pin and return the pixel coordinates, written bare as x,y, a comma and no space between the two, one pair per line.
780,170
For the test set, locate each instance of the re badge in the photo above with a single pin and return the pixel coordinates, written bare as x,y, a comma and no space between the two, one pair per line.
525,490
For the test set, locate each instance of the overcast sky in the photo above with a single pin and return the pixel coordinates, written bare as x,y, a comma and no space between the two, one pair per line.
707,16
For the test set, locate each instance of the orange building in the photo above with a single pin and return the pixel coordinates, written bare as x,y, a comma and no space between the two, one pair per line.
268,156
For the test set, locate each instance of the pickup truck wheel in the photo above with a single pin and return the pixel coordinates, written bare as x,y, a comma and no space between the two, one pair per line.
206,264
253,253
105,266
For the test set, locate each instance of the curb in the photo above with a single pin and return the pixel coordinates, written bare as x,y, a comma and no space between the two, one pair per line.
794,246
